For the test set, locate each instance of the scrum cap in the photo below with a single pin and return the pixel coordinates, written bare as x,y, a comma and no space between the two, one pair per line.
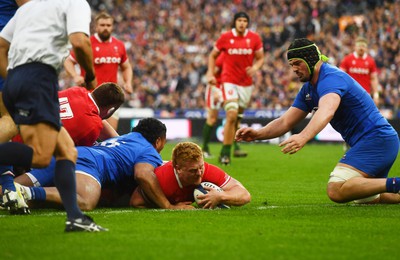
307,51
240,15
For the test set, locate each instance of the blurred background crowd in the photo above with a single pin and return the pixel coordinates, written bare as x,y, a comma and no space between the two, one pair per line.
168,42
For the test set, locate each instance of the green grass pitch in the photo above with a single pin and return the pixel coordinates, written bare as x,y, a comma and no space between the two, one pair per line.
289,217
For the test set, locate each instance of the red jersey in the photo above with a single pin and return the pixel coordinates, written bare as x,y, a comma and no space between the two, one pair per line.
79,115
359,68
107,57
171,187
240,51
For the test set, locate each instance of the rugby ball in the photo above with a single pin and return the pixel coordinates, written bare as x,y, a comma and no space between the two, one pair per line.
199,190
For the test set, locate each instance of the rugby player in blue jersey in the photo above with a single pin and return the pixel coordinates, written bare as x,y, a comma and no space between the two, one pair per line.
127,158
336,98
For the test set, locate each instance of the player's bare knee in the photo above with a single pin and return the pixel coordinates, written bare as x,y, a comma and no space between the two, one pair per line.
334,194
85,205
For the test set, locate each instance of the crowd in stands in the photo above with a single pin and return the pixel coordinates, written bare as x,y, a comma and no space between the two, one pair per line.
168,42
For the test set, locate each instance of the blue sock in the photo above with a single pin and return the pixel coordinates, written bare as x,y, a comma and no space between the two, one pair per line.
38,193
64,179
7,181
393,185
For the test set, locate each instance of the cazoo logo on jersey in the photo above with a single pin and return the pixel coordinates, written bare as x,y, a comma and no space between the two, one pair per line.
101,60
240,51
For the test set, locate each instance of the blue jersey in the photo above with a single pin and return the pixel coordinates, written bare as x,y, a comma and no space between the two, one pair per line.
7,11
110,162
356,117
114,159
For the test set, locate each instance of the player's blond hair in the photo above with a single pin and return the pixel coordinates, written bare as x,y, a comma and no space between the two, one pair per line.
103,15
186,151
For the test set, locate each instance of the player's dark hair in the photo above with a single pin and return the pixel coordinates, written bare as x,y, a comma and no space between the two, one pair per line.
240,15
151,129
108,94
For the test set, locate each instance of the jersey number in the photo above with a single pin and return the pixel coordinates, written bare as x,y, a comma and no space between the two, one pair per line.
65,108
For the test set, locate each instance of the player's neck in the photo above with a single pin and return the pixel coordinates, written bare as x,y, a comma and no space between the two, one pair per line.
317,68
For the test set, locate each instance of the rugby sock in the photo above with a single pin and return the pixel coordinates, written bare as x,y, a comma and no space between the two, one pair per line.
7,181
226,150
393,185
206,136
16,154
37,193
64,179
236,146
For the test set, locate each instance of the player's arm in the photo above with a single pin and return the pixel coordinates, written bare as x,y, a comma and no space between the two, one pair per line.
148,182
84,56
234,194
127,75
258,62
327,107
211,66
4,47
69,66
273,129
108,131
374,87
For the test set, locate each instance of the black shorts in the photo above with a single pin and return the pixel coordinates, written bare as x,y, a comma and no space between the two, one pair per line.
31,94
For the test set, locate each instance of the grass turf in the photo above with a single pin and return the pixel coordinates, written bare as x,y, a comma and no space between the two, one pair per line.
290,217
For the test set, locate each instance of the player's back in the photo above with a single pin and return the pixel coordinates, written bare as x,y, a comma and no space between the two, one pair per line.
116,157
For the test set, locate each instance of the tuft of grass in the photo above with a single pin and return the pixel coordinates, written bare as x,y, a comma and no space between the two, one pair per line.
289,217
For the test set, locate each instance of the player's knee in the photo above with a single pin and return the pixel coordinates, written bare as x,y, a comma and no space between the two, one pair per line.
231,105
335,195
85,204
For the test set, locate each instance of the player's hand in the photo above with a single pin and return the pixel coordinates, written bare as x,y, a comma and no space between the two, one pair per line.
293,144
91,85
211,80
182,205
251,71
211,199
128,88
247,134
79,80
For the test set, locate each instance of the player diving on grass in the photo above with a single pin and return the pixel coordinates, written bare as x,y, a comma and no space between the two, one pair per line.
129,157
179,177
361,175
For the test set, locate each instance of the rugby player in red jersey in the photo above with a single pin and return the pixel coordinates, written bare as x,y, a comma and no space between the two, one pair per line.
244,57
109,54
187,169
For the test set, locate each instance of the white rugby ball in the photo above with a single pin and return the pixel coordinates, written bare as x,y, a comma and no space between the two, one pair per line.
199,190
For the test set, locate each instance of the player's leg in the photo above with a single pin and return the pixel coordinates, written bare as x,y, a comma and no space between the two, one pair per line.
237,152
8,128
231,107
214,100
88,192
244,94
212,116
37,151
362,173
